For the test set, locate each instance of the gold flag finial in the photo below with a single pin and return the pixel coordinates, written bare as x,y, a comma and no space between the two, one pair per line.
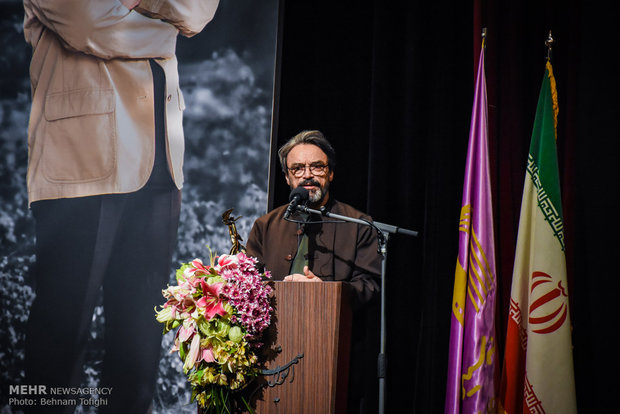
549,43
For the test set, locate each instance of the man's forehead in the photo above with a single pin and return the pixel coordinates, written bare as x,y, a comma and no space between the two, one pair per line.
306,153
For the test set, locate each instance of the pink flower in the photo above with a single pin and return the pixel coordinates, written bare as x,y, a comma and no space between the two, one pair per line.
211,301
199,268
246,292
227,261
207,355
192,356
185,332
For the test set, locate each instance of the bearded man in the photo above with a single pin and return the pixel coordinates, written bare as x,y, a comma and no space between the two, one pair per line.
309,248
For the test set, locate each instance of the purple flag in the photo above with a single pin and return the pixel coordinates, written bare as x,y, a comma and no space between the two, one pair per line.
472,360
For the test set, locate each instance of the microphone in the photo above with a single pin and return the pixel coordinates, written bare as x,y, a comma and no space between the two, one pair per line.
298,196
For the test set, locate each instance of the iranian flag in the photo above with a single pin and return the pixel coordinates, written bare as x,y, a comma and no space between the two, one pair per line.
538,374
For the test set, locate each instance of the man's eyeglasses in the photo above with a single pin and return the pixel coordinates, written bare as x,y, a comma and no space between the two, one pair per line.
317,169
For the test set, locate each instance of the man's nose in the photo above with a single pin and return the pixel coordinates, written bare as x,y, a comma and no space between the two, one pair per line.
307,172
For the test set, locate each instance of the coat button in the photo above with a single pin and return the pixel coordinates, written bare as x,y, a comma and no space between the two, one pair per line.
299,232
289,257
169,98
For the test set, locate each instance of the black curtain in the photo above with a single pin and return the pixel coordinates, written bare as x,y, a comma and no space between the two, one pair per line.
391,85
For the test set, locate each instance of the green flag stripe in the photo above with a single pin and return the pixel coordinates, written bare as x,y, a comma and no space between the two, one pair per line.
543,160
552,214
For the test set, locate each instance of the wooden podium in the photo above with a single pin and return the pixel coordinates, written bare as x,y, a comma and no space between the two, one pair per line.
311,338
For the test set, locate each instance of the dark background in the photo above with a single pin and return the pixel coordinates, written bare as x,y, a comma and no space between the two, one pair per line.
391,85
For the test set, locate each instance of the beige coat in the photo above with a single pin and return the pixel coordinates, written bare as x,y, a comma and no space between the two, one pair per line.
91,127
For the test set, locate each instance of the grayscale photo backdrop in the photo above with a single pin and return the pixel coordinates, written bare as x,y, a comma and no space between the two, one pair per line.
226,75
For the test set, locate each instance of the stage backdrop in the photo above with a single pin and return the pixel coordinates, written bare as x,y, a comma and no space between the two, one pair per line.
391,84
226,75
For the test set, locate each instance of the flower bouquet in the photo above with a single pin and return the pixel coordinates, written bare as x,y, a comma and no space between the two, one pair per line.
220,311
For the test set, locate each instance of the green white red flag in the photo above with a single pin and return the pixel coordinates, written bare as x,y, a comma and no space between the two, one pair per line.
538,373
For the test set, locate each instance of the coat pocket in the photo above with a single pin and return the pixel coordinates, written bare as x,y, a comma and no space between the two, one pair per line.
79,143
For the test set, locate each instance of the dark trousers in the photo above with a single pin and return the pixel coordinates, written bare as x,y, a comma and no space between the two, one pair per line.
122,243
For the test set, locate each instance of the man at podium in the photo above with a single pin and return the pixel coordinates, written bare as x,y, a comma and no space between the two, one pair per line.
301,247
308,248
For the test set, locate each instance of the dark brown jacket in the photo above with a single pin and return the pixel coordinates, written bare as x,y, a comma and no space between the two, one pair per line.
337,251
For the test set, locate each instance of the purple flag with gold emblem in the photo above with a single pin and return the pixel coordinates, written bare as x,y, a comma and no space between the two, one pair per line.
472,359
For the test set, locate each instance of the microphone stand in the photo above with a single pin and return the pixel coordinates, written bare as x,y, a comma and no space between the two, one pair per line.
383,232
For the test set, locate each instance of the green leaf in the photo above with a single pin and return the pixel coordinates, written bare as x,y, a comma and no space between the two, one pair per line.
180,270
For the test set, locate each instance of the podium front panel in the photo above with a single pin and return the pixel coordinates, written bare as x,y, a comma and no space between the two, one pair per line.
311,331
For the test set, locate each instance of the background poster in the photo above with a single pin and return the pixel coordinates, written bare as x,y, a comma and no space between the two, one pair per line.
226,74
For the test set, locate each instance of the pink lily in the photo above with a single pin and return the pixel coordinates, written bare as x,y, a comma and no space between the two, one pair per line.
185,332
199,267
228,261
192,356
207,355
211,301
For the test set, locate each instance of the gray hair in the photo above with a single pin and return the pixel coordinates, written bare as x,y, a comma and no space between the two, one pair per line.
308,137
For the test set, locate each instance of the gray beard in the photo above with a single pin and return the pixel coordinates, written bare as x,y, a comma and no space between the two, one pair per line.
317,197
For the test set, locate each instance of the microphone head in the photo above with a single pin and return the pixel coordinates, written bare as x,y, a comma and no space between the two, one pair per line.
301,192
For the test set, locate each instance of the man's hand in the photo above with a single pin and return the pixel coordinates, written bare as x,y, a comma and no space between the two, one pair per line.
130,4
308,276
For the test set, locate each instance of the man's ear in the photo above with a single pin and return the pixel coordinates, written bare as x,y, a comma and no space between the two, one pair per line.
287,179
